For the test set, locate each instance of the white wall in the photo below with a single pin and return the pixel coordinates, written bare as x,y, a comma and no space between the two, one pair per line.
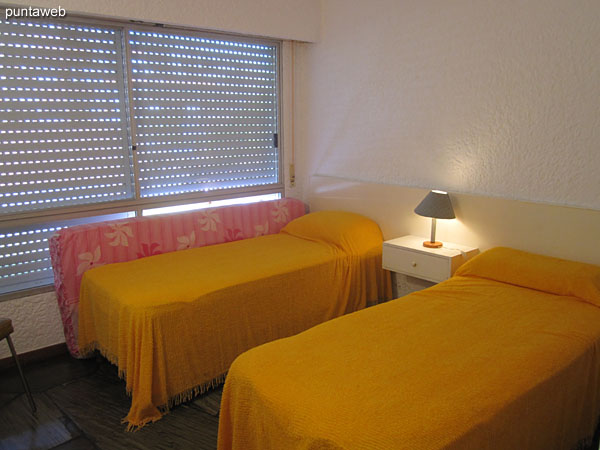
499,98
482,222
36,320
283,19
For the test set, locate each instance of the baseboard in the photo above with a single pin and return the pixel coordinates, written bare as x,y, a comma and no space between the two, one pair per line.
34,356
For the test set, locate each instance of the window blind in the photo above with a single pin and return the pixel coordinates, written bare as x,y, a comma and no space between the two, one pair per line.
63,137
205,112
24,254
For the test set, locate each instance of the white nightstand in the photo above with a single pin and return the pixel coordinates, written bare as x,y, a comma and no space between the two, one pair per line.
420,267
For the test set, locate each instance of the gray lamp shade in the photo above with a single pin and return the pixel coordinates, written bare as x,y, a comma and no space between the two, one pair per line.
436,204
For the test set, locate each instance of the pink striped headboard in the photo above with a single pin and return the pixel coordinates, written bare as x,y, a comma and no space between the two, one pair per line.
76,249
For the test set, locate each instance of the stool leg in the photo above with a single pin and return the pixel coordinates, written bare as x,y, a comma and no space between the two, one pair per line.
23,380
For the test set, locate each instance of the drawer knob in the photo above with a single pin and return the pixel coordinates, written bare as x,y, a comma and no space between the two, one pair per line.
414,264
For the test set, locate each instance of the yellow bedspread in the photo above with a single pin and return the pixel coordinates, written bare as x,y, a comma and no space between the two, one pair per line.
173,323
470,363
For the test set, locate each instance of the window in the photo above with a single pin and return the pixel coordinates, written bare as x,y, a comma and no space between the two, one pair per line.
101,118
211,204
24,256
64,135
205,113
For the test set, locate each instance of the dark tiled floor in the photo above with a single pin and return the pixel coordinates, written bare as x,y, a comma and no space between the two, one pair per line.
80,405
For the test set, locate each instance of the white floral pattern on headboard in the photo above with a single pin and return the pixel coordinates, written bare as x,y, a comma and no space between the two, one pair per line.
77,249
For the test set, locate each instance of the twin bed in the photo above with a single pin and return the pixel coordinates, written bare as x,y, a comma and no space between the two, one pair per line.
174,322
505,354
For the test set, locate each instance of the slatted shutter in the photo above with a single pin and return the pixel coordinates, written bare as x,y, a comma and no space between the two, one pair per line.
202,111
24,254
205,113
63,136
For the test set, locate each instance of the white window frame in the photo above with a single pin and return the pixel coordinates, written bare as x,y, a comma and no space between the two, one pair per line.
138,204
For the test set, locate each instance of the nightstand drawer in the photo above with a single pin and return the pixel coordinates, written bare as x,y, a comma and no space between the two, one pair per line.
416,264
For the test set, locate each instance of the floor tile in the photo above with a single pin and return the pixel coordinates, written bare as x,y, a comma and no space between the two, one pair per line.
97,404
210,402
20,429
44,375
80,443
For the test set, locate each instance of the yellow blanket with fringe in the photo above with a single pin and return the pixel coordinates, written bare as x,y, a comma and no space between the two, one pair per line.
474,362
173,323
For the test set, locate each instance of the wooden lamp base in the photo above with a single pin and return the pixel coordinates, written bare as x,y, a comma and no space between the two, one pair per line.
436,244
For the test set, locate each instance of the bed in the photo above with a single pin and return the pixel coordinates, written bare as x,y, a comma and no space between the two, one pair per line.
74,249
505,354
174,322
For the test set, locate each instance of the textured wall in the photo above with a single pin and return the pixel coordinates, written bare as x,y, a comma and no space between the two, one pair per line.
36,321
283,19
500,98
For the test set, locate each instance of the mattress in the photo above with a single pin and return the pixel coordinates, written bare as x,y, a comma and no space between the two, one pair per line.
506,354
173,323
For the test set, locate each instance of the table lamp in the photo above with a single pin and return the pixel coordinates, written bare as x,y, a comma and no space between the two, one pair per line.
436,205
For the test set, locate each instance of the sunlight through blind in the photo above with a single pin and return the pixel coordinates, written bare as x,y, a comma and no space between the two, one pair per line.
205,111
202,110
24,253
63,133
